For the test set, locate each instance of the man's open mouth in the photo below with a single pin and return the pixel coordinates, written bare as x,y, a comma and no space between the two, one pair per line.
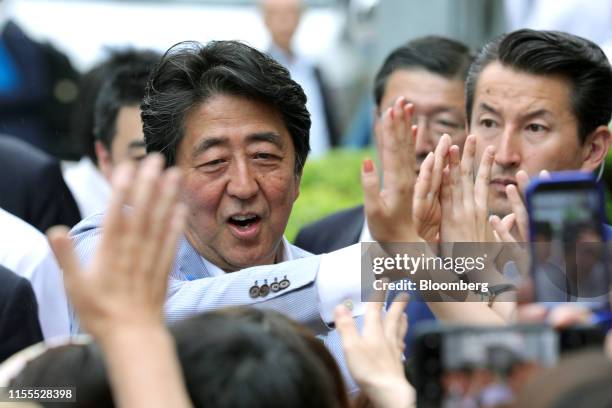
243,221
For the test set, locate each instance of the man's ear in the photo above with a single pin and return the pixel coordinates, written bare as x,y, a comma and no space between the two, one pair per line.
596,148
298,181
105,161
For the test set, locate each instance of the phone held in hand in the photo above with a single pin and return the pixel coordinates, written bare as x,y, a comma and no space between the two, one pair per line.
479,366
567,235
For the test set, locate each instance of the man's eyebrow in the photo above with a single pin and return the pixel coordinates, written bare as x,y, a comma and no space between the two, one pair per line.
489,108
207,144
269,137
135,144
535,114
444,109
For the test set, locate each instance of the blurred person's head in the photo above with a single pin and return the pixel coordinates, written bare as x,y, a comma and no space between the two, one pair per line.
228,358
430,73
82,123
237,125
282,18
305,355
78,366
544,100
117,122
580,379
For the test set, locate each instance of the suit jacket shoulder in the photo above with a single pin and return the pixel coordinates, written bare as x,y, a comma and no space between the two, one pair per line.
19,326
32,186
333,232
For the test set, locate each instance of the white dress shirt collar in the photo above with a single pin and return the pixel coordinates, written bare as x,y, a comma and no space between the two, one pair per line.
287,250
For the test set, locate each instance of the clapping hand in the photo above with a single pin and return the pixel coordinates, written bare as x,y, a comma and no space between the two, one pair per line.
389,211
463,198
426,206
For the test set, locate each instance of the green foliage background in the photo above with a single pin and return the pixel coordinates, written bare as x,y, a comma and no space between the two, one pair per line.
329,184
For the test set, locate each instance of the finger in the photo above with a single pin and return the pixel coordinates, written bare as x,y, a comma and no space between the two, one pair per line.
508,221
136,238
467,171
346,328
545,174
402,331
501,230
156,240
373,325
145,189
440,162
399,158
483,179
519,210
63,248
168,250
446,203
411,129
522,180
455,177
422,187
415,131
371,191
394,316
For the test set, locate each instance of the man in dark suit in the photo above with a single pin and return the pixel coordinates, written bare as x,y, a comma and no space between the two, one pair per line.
19,326
430,73
32,187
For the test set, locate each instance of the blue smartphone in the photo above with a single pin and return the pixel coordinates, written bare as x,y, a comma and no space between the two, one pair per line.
567,234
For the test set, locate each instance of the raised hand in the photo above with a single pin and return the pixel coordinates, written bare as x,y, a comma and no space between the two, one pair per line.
125,284
119,297
374,358
513,229
389,211
463,198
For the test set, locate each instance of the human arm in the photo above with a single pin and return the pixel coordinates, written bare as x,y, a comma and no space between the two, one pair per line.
120,296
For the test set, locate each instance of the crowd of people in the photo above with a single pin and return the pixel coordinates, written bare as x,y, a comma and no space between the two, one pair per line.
165,279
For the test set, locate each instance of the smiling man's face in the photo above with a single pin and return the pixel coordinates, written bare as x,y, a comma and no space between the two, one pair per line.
530,121
238,161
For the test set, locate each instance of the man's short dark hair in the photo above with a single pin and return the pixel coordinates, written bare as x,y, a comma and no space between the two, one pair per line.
126,87
438,55
190,73
82,123
581,62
